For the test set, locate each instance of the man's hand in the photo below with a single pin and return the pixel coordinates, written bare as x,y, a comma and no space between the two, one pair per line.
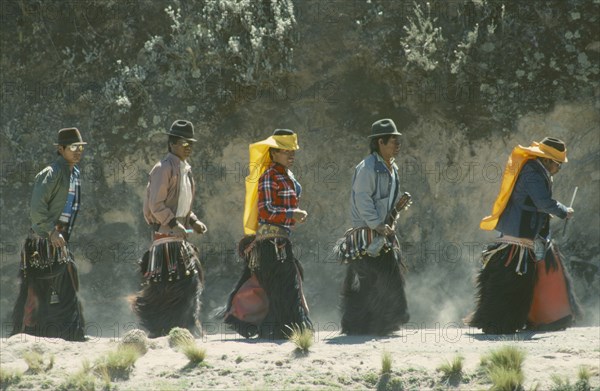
384,229
570,213
299,215
179,231
57,239
199,227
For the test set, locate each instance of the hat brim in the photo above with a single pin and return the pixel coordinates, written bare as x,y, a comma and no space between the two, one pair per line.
385,134
185,138
76,143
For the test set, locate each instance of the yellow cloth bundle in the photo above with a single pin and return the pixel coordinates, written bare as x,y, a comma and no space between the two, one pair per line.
259,162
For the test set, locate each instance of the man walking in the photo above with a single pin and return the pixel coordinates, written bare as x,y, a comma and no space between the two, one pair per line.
171,267
47,304
373,298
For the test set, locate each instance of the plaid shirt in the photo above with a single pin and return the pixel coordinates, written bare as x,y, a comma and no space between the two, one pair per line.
278,193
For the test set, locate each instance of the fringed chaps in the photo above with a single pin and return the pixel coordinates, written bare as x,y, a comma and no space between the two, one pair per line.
48,305
373,297
280,274
506,285
173,283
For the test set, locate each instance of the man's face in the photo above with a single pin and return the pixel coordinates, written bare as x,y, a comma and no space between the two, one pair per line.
391,149
552,166
71,153
284,157
182,149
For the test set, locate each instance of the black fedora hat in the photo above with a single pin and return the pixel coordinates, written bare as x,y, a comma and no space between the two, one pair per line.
384,127
282,132
183,129
68,136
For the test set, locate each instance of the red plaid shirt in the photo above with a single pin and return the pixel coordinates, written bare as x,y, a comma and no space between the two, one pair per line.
278,193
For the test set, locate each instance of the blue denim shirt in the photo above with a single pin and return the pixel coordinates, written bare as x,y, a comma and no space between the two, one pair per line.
527,213
371,192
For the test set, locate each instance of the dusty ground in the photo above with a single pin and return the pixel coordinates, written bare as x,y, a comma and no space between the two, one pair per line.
334,361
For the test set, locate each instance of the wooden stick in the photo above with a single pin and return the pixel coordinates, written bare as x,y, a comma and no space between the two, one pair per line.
570,206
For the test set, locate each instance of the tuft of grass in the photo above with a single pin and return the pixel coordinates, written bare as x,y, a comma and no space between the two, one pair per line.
82,380
508,357
452,370
36,362
563,384
137,338
303,338
117,364
9,377
504,379
180,337
194,353
371,378
504,368
584,374
386,362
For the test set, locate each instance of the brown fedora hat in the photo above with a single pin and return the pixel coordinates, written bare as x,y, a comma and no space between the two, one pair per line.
68,136
183,129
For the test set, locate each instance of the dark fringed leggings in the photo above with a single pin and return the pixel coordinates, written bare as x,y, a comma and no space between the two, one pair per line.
281,281
373,298
47,305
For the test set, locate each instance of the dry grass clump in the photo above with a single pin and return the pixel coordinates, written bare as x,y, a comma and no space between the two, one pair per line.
117,364
194,353
302,338
36,362
180,337
136,338
386,362
504,368
582,384
452,370
82,380
9,377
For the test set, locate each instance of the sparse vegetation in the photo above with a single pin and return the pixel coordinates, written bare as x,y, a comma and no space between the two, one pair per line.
9,377
504,368
564,384
371,378
194,353
452,370
386,362
136,338
302,338
36,362
117,364
180,337
82,380
584,374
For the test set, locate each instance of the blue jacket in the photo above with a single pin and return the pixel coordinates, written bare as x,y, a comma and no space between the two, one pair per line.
371,192
527,213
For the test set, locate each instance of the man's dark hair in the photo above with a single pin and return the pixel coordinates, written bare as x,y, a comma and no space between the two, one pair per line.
172,140
374,145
